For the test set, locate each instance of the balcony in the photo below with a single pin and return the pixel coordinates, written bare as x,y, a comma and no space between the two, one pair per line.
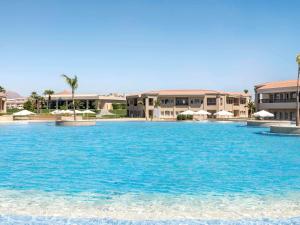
277,100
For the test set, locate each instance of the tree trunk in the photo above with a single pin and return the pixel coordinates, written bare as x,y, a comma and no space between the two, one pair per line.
73,100
48,103
37,106
298,106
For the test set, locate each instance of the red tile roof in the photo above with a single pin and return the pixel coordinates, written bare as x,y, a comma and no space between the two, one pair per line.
189,93
277,84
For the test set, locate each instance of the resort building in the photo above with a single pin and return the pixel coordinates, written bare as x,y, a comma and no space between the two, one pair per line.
16,103
167,104
278,98
14,100
85,101
2,102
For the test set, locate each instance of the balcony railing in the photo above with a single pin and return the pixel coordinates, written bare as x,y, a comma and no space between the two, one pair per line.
277,100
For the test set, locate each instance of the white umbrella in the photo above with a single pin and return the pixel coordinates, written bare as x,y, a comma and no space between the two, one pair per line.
55,112
78,111
23,113
202,113
263,114
223,113
87,111
188,112
68,111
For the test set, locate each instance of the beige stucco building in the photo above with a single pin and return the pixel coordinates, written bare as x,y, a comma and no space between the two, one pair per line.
2,102
278,98
15,103
173,102
88,101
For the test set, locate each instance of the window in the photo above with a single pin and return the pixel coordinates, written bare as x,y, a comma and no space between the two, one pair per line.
135,102
236,101
243,101
162,113
286,116
287,95
151,101
211,101
166,101
280,115
167,113
292,116
195,101
229,100
182,101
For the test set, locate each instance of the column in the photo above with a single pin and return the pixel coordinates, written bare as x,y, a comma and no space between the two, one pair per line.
87,104
56,103
146,108
5,105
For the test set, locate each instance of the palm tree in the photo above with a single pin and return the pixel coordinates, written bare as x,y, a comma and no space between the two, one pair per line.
251,107
246,91
2,89
156,104
48,93
73,83
298,106
35,98
141,103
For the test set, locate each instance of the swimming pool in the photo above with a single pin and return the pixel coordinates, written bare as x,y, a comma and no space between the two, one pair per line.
148,172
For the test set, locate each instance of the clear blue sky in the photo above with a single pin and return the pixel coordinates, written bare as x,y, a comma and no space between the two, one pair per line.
128,46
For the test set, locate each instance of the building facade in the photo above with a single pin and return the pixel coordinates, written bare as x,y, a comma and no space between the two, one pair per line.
15,103
2,102
278,98
85,101
167,104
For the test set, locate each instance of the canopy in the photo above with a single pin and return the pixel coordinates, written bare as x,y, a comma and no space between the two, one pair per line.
223,113
188,112
87,111
202,112
23,113
263,114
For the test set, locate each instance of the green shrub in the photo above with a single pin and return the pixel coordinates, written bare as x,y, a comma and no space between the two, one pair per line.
119,112
28,105
11,111
184,117
118,106
189,117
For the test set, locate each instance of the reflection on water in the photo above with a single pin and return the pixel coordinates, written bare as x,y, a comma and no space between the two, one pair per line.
149,207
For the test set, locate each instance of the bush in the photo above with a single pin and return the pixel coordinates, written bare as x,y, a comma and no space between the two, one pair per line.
118,106
28,105
119,112
184,117
11,111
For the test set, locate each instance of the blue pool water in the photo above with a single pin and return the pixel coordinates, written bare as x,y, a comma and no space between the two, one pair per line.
148,172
